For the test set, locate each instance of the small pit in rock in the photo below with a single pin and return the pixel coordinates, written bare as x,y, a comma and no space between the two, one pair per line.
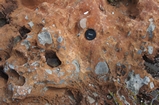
20,58
23,31
2,74
52,59
3,20
152,66
132,12
16,78
75,95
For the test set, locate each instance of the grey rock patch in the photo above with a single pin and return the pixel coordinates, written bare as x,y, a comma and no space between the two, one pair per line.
59,39
134,82
95,94
29,91
150,49
101,68
26,43
139,52
29,37
48,71
124,99
45,89
83,23
58,46
129,33
51,82
90,100
56,71
104,77
11,66
152,85
76,64
78,34
146,80
16,40
151,28
6,67
88,68
60,74
45,37
118,64
26,17
36,63
31,24
43,21
61,81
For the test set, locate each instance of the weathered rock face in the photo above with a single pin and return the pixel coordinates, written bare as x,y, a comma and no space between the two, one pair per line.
46,59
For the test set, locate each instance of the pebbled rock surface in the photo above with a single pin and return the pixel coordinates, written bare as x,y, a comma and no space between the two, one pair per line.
45,58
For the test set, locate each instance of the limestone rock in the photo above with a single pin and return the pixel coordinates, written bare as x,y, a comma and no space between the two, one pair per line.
45,57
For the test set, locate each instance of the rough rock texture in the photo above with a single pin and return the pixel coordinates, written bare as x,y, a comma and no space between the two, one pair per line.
45,58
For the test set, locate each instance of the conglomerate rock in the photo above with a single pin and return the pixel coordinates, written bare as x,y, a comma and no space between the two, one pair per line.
45,58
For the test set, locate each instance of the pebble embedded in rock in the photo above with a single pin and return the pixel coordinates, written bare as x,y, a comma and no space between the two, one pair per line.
139,52
48,71
129,33
83,23
90,34
151,28
31,24
26,43
90,100
16,40
152,85
44,37
101,68
60,39
77,65
150,49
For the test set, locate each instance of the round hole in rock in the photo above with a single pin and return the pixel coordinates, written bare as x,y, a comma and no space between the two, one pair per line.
0,59
90,34
20,58
3,74
23,31
3,20
16,78
52,59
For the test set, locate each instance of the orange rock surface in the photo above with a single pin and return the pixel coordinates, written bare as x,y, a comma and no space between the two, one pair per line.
45,58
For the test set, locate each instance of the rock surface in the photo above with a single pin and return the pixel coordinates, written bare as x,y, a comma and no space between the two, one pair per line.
45,58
